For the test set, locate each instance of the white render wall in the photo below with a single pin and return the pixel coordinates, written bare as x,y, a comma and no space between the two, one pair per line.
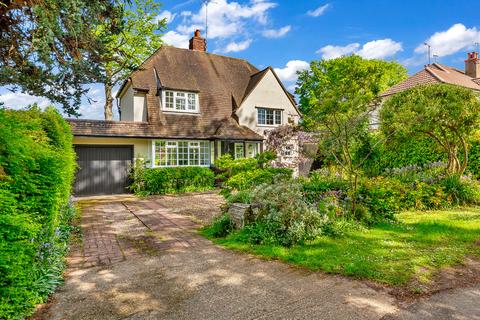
267,94
133,105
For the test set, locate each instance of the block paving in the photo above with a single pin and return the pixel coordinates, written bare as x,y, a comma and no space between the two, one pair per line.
118,230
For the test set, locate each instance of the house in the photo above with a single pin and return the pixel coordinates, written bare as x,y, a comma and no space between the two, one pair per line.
182,107
438,73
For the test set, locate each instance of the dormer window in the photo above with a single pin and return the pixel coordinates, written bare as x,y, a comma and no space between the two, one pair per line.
180,101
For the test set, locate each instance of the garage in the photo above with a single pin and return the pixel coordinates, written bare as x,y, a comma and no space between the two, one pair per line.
103,169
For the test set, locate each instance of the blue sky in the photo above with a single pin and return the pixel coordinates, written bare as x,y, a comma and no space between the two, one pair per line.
289,34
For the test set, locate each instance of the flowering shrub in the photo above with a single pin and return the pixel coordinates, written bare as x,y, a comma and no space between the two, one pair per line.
37,165
282,216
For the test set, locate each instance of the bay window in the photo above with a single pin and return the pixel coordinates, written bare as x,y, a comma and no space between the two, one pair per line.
178,101
168,153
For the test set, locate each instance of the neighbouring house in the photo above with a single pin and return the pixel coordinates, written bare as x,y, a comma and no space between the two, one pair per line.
182,107
438,73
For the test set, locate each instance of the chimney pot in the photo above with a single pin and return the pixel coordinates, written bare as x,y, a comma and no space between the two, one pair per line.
197,43
472,65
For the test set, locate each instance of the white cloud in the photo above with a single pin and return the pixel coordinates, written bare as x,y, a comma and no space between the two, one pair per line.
167,15
19,100
276,33
380,49
289,72
88,110
332,52
319,11
237,46
377,49
456,38
227,21
176,39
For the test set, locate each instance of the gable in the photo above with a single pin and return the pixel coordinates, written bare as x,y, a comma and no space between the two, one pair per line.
267,93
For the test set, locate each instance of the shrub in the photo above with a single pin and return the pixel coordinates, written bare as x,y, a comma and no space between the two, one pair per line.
248,179
281,216
37,165
243,196
473,166
230,167
220,227
382,198
321,181
148,181
461,190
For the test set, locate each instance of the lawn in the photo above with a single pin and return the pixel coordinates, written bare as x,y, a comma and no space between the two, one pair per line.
416,246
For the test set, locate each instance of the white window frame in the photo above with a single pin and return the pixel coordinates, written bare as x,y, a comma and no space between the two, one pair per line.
235,150
178,96
274,112
254,149
191,145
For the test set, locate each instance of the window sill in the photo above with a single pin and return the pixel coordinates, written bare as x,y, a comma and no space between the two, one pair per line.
192,113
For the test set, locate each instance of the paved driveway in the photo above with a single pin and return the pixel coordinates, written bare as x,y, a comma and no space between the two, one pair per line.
142,259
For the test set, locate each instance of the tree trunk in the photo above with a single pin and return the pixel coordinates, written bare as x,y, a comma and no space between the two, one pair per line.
108,101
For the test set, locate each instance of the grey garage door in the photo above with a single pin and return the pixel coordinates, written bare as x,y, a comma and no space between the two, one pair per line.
102,169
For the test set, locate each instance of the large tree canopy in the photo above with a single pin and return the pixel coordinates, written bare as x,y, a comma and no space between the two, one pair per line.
138,38
446,114
337,100
47,47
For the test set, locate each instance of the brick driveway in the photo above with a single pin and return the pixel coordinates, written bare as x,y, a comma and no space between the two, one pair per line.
119,229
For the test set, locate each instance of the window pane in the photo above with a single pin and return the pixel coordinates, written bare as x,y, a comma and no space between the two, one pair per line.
180,101
192,101
261,116
183,153
278,117
160,154
194,153
204,153
251,150
171,153
269,117
239,150
169,99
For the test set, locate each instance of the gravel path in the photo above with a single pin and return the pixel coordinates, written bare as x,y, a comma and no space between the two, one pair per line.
142,259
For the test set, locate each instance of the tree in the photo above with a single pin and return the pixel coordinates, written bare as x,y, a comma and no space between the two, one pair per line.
337,100
47,48
447,114
138,38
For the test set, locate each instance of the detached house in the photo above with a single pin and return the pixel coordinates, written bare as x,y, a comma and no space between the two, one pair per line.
182,107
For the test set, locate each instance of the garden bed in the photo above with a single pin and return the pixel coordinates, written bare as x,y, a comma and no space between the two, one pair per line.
408,254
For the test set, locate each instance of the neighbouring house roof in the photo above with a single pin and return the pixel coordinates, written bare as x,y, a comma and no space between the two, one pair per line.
221,82
435,73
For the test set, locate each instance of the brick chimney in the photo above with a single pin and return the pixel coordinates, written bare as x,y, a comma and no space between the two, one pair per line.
472,65
197,42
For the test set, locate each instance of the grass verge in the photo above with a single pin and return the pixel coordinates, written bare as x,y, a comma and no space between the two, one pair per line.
412,249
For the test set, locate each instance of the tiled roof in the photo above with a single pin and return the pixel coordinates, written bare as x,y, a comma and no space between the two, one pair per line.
99,128
435,73
220,81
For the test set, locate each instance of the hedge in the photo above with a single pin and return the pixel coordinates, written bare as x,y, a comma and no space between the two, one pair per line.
37,165
172,180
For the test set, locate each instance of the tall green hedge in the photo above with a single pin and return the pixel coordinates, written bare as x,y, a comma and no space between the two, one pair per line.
149,181
37,165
